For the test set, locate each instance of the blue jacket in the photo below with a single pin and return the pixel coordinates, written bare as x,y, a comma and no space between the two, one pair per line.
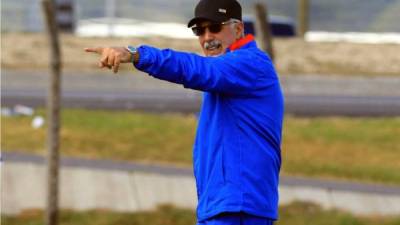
236,155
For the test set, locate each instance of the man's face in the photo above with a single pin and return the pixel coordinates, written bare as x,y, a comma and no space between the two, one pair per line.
215,43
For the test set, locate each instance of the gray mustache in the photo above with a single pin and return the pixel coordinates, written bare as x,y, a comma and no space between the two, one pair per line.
212,44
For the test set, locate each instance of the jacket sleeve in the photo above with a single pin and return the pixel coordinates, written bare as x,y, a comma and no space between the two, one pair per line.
232,73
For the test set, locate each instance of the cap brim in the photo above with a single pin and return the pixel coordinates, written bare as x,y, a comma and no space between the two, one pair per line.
217,19
196,20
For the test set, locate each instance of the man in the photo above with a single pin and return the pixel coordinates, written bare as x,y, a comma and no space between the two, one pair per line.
237,148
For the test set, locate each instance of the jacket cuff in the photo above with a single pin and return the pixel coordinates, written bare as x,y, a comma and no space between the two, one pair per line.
144,58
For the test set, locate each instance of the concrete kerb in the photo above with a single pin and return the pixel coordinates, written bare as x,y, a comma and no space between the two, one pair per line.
129,187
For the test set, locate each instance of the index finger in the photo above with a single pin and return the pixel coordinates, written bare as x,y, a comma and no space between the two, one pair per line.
117,62
98,50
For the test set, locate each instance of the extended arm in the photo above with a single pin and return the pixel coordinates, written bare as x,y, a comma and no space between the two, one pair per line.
235,72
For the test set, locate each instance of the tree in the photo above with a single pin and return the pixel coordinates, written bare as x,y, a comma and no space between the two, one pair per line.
53,112
303,17
264,29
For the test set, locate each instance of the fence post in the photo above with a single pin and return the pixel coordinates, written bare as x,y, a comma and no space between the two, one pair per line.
263,29
303,17
53,112
110,8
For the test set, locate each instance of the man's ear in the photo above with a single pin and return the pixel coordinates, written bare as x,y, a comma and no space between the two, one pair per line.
239,30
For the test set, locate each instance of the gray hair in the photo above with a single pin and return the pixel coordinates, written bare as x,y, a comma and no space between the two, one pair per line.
233,22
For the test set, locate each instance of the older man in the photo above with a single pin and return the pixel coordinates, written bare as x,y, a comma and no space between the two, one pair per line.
236,153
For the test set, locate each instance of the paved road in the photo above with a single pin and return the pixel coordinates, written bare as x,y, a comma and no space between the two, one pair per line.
304,95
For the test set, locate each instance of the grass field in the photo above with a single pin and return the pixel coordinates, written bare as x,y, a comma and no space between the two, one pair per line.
362,149
294,214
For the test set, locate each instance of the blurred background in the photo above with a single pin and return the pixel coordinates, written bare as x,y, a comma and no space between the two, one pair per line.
341,15
126,139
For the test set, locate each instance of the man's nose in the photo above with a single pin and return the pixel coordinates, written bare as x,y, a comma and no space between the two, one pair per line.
208,35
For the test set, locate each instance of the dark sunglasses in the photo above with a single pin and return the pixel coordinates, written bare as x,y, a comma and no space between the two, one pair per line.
214,28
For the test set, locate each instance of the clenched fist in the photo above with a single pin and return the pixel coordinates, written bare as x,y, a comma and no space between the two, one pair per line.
112,57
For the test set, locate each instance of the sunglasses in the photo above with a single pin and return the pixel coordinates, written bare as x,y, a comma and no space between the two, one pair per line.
214,28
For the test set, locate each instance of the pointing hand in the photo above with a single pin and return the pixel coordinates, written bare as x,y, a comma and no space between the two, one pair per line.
111,57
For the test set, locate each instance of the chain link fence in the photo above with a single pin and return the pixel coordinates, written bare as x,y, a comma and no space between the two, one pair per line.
325,15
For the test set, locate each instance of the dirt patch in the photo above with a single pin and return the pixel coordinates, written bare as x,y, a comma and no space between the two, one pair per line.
296,56
293,56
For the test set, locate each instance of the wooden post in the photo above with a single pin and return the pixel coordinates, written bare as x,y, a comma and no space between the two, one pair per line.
53,113
263,29
110,7
303,17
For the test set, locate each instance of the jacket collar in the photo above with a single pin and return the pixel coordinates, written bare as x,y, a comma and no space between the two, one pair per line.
241,42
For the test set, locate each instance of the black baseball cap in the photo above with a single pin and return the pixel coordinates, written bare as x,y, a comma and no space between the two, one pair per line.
216,11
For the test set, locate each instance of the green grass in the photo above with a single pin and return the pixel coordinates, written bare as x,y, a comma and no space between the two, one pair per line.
164,215
294,214
354,148
301,213
109,135
362,149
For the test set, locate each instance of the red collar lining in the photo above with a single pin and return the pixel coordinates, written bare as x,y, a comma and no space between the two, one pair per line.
241,42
